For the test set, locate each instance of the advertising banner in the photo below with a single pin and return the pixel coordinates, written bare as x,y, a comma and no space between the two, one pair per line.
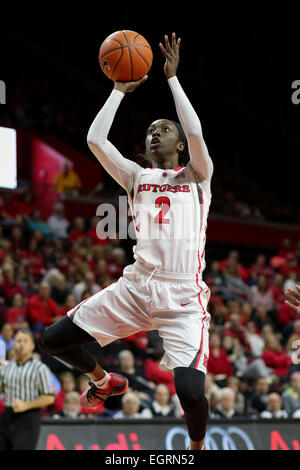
167,435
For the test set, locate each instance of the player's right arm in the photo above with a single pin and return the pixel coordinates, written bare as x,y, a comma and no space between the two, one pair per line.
119,167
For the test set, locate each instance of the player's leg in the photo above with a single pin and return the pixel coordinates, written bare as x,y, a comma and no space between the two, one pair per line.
65,340
189,384
113,313
185,340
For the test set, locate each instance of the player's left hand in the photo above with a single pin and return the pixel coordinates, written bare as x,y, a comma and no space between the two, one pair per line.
171,53
19,405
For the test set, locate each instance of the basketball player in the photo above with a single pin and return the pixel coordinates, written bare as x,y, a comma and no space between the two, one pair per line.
163,289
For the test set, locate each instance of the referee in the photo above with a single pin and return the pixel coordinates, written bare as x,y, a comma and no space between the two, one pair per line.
26,385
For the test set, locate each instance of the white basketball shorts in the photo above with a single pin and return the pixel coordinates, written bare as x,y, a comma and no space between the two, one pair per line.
145,300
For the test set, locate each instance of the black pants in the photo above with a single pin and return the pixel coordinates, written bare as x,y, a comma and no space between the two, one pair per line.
19,431
66,341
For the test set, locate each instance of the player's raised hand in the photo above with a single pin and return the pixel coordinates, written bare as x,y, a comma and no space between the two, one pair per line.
171,53
129,87
294,298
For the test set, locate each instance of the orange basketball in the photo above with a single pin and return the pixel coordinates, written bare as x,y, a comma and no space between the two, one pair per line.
125,56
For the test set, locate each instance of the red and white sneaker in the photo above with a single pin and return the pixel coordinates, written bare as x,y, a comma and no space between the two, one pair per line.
93,396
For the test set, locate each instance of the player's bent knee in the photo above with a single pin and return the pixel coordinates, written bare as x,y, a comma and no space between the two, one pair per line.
189,384
47,344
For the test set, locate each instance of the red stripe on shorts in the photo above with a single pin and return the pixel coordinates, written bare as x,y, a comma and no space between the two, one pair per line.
202,329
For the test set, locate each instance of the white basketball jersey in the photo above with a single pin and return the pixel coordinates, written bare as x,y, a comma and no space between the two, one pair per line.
170,210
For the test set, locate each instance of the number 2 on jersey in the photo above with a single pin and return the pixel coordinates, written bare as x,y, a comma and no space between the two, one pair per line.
164,203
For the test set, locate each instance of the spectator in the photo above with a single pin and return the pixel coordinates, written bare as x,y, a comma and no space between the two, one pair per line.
36,223
88,283
154,374
7,336
233,282
275,357
277,289
212,391
255,341
67,182
72,407
115,268
239,399
261,294
233,259
234,328
130,408
68,384
69,304
93,233
136,378
274,408
259,398
291,396
290,281
225,407
16,315
24,277
162,405
9,285
78,232
262,317
42,310
218,362
34,258
59,289
246,313
261,268
57,222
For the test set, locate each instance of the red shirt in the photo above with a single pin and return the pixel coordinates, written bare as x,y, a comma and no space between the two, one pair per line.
140,339
35,261
16,315
219,365
96,240
75,235
278,360
152,372
278,294
243,273
286,315
11,288
39,312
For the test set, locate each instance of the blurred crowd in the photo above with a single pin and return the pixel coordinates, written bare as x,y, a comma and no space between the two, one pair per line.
49,266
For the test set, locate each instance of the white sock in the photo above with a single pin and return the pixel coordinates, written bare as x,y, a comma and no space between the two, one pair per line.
102,383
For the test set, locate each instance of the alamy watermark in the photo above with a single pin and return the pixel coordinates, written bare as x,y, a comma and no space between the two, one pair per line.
2,92
296,93
149,223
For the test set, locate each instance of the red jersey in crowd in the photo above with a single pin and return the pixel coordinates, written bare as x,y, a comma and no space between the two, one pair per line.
278,360
40,312
153,373
218,365
11,288
35,261
16,315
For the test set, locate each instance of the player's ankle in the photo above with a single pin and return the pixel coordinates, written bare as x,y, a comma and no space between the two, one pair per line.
103,382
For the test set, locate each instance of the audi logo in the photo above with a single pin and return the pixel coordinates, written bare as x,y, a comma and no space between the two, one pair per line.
217,438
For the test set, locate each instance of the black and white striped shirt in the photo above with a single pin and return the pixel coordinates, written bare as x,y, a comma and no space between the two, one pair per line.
26,381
